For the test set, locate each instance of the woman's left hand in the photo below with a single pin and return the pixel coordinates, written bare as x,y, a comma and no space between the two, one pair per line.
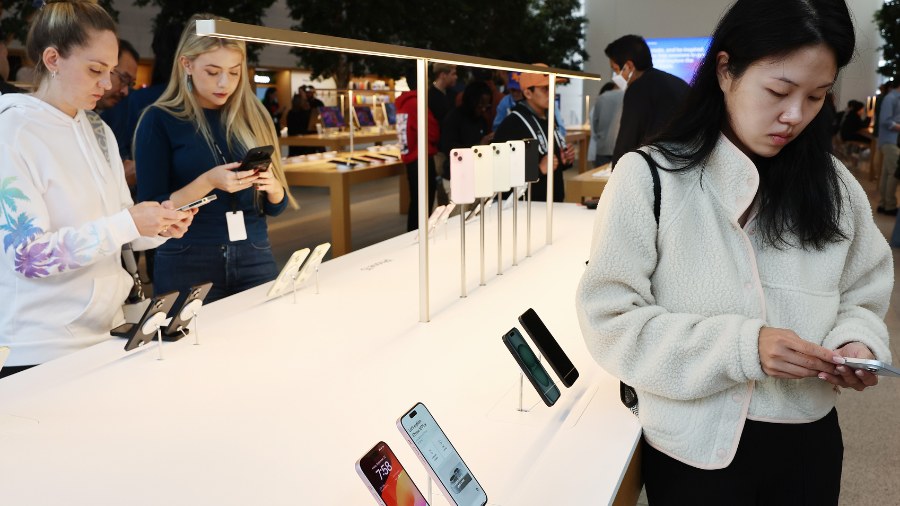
267,182
848,377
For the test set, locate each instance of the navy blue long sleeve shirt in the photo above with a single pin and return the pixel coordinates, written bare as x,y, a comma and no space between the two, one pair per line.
170,153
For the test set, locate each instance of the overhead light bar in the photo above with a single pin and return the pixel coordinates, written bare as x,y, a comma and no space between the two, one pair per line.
306,40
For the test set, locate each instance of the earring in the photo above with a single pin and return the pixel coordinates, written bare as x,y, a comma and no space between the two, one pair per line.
189,82
53,74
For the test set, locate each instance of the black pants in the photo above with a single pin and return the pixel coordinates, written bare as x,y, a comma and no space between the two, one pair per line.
775,464
412,175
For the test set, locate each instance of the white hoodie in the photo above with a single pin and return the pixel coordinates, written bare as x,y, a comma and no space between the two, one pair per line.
63,220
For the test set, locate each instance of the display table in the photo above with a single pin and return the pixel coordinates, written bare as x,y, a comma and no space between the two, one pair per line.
340,140
585,186
322,173
580,137
280,399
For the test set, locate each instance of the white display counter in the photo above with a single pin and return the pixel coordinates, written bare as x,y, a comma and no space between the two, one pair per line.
280,399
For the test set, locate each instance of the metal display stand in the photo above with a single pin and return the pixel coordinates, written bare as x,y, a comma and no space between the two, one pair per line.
265,35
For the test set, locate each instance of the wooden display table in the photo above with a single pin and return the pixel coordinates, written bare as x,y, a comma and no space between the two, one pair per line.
586,186
580,137
323,173
338,141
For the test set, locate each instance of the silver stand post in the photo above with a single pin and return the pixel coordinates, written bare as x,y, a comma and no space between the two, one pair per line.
515,226
481,225
522,393
499,233
462,251
294,285
528,224
429,490
196,330
159,342
317,280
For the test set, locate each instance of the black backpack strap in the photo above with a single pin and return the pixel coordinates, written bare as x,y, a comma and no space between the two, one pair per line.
657,187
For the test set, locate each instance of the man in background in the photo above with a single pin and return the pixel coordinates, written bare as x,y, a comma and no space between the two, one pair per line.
122,78
652,97
888,126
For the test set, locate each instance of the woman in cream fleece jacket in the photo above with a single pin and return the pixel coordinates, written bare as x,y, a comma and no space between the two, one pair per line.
65,210
730,317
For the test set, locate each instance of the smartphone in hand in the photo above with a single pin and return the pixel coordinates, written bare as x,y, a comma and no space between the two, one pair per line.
257,159
198,203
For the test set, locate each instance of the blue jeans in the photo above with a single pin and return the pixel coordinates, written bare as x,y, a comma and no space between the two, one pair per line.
232,268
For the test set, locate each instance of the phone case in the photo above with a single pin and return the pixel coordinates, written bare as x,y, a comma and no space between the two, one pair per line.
461,478
312,263
516,163
532,161
462,176
484,171
283,282
134,333
178,326
500,151
531,367
549,347
386,479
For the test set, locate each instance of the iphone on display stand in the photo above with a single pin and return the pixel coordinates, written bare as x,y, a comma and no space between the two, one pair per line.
501,166
549,347
440,458
531,367
311,266
484,171
386,478
516,163
462,176
143,332
190,309
873,366
286,278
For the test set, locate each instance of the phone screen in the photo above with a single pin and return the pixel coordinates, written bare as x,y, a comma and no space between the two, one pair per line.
549,347
531,367
442,457
387,477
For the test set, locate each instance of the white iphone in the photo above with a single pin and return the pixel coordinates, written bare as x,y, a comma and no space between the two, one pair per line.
483,161
500,152
313,262
285,278
516,163
462,176
440,458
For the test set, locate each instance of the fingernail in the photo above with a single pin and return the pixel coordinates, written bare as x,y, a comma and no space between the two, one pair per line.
822,376
837,359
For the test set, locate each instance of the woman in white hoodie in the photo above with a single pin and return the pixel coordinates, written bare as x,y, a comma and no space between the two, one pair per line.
65,209
731,306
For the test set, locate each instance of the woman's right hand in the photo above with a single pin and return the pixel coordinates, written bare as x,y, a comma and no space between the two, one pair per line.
783,354
543,164
152,219
224,178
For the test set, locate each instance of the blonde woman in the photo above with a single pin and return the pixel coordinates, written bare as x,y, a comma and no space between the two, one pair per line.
65,210
188,145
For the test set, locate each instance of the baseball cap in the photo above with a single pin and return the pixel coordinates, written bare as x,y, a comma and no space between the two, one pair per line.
528,79
512,80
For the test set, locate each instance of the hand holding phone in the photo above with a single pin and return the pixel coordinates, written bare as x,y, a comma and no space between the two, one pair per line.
386,478
873,366
198,203
257,159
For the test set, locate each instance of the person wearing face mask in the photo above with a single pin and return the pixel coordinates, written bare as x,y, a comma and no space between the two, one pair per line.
528,120
188,145
652,96
729,291
65,210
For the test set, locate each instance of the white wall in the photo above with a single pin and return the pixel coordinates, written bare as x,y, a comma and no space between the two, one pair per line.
611,19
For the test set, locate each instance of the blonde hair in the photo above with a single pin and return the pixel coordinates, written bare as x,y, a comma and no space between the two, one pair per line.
64,25
246,120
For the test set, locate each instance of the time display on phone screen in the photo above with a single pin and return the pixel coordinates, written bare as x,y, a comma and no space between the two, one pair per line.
388,478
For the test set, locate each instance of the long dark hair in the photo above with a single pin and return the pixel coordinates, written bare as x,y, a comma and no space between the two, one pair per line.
800,190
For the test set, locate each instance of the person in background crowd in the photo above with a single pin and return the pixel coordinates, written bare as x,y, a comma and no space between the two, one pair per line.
6,87
314,102
270,102
298,121
730,307
512,97
605,120
465,125
66,211
528,120
444,78
123,77
888,126
855,123
188,145
408,137
651,97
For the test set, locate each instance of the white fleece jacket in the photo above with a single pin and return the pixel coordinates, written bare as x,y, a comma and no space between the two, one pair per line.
676,311
63,220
